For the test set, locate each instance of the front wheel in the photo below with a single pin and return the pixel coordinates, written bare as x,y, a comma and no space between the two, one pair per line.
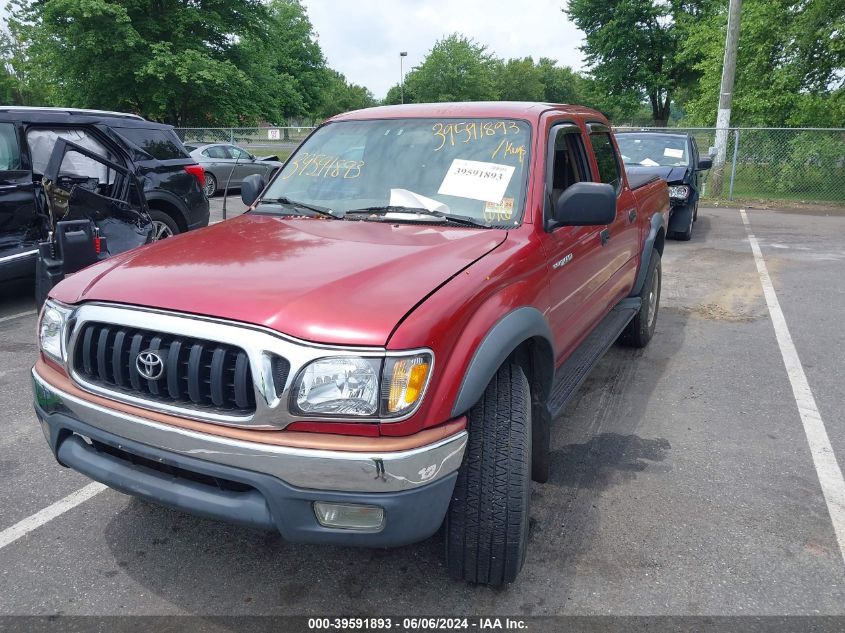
487,520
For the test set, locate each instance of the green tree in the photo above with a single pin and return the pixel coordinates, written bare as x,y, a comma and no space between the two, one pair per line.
561,84
519,80
167,59
634,46
285,65
456,69
791,75
341,96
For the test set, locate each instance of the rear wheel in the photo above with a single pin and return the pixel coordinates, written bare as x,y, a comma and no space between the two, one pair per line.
641,328
163,225
487,521
210,184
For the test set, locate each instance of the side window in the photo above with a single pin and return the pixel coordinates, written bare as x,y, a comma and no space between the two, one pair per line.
216,152
10,153
606,158
568,165
238,153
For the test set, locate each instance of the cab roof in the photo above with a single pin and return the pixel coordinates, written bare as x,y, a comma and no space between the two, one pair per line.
470,109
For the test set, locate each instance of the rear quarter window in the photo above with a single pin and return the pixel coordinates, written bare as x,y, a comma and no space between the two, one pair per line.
161,144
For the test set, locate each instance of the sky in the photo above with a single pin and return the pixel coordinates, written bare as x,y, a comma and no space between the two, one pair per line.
363,39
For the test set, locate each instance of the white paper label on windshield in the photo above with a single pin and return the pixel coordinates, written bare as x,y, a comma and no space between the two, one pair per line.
673,153
476,180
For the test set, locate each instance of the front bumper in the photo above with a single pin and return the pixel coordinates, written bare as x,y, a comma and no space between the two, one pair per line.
260,485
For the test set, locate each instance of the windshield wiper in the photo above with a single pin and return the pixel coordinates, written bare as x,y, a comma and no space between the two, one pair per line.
448,217
296,206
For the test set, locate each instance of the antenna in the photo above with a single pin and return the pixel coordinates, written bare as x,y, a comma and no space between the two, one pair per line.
229,179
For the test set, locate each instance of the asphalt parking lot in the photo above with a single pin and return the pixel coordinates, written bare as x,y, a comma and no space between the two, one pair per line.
683,482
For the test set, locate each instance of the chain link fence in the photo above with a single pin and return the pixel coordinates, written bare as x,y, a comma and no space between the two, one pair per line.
804,165
259,140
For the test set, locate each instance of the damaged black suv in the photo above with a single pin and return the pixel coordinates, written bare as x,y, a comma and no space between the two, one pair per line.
110,163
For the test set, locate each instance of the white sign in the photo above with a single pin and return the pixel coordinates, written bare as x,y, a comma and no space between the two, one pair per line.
476,180
673,153
273,134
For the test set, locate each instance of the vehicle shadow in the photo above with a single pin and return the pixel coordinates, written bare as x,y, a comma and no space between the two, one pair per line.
205,567
17,296
701,228
597,444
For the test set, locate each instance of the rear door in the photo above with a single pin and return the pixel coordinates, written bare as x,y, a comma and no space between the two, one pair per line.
79,184
621,238
20,225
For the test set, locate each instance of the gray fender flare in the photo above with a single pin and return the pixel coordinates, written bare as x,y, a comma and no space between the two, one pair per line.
503,338
658,221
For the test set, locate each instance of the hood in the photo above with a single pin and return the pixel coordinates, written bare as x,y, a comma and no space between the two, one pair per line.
669,174
328,281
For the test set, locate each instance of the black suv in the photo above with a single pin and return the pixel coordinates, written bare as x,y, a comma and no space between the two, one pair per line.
172,181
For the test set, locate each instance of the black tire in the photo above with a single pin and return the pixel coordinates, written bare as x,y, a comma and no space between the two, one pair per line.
165,226
487,520
641,328
695,212
686,234
210,184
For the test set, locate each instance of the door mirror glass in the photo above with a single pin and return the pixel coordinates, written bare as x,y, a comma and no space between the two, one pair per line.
586,204
251,187
705,163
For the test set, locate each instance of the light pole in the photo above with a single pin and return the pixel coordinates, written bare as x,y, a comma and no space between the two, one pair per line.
402,77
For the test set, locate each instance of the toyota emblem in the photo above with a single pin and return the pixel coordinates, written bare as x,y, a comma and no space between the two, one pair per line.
150,365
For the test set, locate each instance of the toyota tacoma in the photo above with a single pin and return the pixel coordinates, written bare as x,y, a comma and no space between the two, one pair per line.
379,346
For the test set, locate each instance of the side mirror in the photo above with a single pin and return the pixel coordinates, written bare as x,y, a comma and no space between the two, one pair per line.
251,187
704,163
585,204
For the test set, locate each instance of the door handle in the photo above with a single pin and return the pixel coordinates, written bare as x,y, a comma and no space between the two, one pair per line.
605,236
632,215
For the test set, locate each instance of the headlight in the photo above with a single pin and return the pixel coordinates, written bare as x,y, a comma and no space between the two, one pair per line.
51,330
680,192
351,386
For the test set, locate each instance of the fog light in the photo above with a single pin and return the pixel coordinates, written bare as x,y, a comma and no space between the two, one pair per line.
349,516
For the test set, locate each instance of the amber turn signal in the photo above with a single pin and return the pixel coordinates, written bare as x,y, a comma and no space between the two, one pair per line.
405,379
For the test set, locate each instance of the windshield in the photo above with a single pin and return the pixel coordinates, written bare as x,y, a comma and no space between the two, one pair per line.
652,150
471,168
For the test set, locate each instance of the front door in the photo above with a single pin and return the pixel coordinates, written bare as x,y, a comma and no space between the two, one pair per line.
575,254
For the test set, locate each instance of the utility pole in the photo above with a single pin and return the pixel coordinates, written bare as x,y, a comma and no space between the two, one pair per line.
402,77
723,117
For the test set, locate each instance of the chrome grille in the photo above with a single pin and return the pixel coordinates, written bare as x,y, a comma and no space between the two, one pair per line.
196,373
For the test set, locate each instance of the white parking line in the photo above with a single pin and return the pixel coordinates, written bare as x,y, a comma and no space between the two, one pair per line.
17,316
827,468
27,525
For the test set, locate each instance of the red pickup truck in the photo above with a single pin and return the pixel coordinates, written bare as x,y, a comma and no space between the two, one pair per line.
379,345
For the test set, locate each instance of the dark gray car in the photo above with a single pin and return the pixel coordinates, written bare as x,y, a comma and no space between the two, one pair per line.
226,163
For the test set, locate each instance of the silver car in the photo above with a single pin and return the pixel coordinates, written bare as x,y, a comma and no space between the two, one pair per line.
224,162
